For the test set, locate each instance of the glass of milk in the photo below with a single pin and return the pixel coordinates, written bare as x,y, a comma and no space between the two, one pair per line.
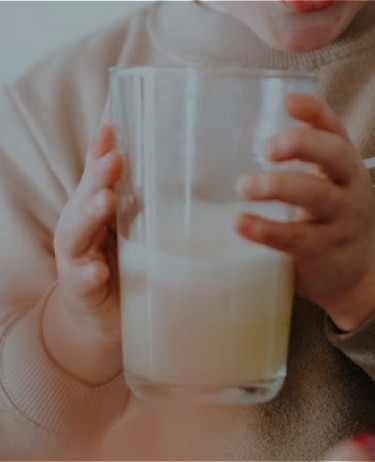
205,314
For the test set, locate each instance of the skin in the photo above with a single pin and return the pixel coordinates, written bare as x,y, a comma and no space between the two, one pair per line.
288,31
333,242
85,303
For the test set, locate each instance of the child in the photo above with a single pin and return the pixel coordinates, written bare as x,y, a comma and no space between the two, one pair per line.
61,365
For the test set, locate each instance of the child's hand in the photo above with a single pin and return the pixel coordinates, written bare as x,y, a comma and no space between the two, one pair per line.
82,321
85,240
333,244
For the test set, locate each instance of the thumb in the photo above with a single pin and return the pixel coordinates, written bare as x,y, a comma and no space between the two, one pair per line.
360,448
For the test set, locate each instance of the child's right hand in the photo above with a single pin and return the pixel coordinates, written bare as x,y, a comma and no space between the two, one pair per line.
82,320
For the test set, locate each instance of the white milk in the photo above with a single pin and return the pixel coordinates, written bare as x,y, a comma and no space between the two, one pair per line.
211,310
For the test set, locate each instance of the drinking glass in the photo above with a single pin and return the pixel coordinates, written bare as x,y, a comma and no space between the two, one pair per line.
205,313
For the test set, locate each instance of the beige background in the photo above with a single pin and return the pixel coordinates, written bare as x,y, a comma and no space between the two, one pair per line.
31,30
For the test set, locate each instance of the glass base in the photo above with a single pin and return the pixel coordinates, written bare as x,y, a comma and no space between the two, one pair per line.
252,393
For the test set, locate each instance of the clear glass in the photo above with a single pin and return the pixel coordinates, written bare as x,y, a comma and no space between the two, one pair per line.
205,314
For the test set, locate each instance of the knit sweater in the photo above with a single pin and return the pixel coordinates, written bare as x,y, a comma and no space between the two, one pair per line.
46,121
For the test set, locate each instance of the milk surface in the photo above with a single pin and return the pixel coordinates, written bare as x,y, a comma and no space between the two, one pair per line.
200,305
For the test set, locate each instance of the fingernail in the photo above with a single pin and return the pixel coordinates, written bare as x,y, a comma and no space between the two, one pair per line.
366,441
243,185
268,149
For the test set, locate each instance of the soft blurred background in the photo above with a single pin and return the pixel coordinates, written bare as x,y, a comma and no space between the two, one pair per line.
31,30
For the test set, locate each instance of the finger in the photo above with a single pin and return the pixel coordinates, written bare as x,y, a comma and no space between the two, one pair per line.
88,283
130,202
102,165
129,209
127,173
101,144
103,173
82,221
309,109
90,278
314,193
126,185
329,151
291,238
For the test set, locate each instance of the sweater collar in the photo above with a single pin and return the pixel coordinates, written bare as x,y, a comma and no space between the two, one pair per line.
198,35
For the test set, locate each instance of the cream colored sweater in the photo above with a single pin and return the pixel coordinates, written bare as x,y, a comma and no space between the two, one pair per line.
46,121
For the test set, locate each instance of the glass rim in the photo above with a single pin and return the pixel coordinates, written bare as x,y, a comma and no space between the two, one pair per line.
121,72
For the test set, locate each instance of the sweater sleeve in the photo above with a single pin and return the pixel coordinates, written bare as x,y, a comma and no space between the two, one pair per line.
358,345
46,120
57,416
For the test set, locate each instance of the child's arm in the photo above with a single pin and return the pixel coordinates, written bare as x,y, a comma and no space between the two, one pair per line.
333,243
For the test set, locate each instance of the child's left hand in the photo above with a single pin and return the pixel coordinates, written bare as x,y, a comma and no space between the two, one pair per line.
333,244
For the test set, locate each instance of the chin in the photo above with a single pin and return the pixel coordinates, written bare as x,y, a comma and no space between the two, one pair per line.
304,42
292,38
294,32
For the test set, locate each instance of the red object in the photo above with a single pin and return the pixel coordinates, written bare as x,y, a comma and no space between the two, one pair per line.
366,442
308,6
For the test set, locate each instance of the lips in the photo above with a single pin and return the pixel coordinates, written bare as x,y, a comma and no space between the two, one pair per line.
307,6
